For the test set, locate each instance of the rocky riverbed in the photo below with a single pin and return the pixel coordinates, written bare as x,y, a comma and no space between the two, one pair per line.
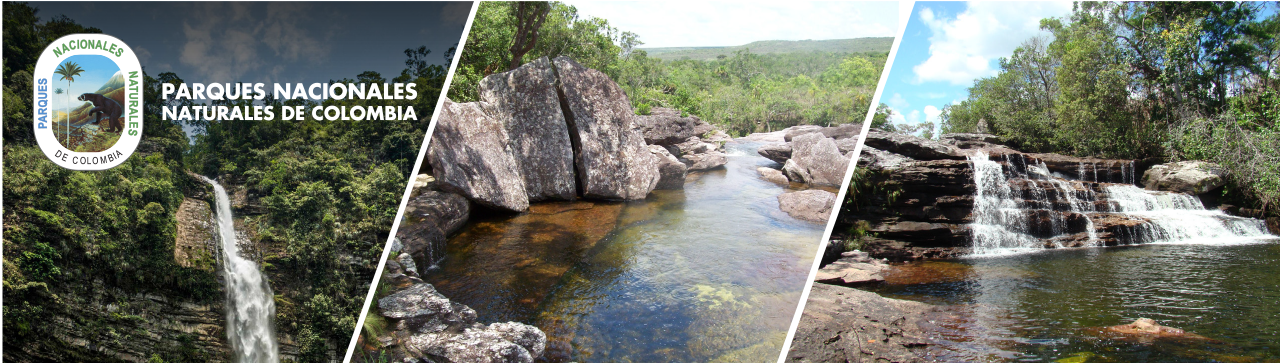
551,183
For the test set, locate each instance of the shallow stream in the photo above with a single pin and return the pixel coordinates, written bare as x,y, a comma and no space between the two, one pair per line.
710,272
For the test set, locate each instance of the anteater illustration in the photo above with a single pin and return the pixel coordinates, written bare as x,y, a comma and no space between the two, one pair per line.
103,106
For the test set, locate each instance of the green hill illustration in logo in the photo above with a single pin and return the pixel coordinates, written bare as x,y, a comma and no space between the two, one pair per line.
89,88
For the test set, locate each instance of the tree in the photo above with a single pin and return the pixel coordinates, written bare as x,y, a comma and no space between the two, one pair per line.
529,16
68,71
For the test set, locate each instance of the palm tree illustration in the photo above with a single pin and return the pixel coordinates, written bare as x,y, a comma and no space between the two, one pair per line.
69,71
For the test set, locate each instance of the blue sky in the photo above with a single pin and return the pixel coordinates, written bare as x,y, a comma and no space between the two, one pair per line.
948,45
707,23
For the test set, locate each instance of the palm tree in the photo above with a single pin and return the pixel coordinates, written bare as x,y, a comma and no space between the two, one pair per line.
69,71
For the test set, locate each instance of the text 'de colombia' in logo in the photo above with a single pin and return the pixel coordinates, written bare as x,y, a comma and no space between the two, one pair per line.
88,102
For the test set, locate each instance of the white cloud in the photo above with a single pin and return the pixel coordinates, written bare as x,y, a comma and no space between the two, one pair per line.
897,102
931,114
706,23
965,48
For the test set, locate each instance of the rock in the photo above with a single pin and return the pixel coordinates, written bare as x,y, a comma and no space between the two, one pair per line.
423,181
524,101
1191,177
670,169
770,137
665,126
772,175
1146,329
692,145
879,159
470,156
424,240
795,172
436,328
853,268
405,261
912,146
492,344
793,131
447,210
776,152
987,138
705,161
812,205
820,159
847,145
612,161
718,137
841,324
841,132
423,310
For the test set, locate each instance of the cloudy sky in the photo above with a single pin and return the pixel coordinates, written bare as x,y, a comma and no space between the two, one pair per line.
267,42
948,45
697,23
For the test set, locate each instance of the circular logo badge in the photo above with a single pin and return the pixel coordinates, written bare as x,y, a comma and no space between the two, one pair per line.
88,101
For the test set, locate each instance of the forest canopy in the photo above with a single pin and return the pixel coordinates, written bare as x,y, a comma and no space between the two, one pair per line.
741,93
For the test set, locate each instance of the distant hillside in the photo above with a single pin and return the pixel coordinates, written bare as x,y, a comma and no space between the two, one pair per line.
116,81
857,45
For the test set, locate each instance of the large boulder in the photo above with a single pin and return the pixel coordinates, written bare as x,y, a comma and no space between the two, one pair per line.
671,170
912,146
812,205
793,131
524,100
692,145
841,324
469,154
612,162
820,158
665,126
1191,177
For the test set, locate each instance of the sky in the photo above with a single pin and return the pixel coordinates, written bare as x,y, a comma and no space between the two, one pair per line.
272,41
697,23
269,42
948,45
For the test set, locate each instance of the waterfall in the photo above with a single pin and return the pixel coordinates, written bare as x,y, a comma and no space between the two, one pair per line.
251,307
1026,207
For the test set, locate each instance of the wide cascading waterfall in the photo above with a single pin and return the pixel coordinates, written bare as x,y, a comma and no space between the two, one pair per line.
251,307
1020,205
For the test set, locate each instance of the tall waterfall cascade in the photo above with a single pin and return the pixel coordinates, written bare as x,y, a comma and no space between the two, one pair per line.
251,307
1020,205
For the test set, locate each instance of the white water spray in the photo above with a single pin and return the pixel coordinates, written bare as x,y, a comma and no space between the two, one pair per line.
1003,215
251,306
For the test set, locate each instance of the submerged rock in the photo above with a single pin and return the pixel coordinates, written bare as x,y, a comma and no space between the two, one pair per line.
524,101
612,161
470,155
812,205
1147,329
1191,177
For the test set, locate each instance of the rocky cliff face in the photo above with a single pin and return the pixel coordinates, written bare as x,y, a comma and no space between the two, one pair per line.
965,192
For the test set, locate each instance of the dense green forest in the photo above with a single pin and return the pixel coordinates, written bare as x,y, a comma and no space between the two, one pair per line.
742,92
329,191
1145,79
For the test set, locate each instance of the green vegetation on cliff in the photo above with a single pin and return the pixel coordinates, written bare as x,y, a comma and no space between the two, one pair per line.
321,197
742,91
1136,80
